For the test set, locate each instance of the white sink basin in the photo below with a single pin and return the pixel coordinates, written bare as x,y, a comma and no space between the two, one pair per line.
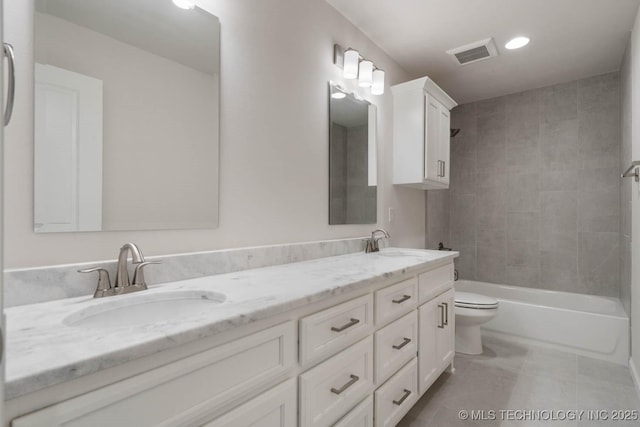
143,309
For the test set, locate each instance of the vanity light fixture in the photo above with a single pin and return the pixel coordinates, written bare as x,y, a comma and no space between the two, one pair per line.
355,66
185,4
517,42
365,73
351,60
377,85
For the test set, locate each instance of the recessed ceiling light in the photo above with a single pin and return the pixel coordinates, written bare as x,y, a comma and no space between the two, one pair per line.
517,42
185,4
338,95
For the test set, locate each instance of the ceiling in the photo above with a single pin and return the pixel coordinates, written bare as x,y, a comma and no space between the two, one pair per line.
570,39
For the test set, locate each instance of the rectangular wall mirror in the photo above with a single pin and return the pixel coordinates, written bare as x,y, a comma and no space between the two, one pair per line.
126,116
352,158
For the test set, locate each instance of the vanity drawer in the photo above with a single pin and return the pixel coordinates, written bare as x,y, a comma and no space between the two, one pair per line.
333,388
394,399
181,393
396,300
395,345
360,416
275,408
329,331
434,282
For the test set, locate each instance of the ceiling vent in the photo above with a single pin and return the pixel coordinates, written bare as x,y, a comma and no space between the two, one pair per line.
474,52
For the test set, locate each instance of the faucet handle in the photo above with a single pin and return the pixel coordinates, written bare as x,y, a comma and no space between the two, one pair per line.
104,283
138,274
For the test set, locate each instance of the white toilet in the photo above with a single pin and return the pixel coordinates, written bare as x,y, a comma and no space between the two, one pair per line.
472,311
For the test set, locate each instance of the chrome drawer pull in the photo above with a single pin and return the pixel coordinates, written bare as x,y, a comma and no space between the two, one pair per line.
11,85
404,342
401,300
441,325
446,313
352,381
347,326
406,394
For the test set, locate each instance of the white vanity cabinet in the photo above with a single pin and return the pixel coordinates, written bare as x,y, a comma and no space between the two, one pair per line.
191,391
437,325
355,360
421,129
275,408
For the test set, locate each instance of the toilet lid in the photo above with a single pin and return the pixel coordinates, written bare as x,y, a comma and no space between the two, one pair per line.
469,300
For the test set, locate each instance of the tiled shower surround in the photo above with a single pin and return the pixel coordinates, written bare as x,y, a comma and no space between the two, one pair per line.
534,198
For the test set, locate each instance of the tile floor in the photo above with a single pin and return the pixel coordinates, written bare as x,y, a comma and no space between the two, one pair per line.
514,377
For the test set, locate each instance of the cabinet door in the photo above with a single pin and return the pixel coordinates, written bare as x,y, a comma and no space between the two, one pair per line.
432,135
445,340
275,408
360,416
428,366
444,143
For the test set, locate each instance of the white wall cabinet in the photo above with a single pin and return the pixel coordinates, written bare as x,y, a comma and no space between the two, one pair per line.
421,128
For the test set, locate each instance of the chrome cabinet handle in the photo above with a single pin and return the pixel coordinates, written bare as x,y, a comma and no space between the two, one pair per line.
352,381
446,313
406,394
444,168
441,325
345,326
11,84
405,341
439,167
1,346
401,300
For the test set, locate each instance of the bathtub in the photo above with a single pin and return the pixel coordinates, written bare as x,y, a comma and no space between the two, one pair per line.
588,325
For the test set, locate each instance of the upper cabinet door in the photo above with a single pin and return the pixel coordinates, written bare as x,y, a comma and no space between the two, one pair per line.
432,169
421,122
444,144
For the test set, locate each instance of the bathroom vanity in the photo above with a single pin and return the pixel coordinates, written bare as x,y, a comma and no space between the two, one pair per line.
346,340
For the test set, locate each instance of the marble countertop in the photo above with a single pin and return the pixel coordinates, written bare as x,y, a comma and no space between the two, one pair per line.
43,349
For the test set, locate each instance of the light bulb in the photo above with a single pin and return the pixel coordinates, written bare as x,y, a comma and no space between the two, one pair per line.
517,43
365,74
377,86
185,4
350,68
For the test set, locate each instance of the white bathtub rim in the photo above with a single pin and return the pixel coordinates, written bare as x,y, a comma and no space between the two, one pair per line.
620,313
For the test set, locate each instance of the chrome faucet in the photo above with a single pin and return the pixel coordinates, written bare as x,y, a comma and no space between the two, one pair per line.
122,284
373,244
122,274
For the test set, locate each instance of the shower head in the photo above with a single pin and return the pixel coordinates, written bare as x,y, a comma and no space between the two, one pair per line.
453,132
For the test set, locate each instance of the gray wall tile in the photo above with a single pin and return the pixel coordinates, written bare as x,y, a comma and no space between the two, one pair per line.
559,145
522,226
558,220
535,198
599,263
522,192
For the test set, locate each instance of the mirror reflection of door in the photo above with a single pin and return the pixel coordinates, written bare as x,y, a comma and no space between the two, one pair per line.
68,151
352,159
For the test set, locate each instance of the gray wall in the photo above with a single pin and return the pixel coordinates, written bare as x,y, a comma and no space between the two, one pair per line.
534,198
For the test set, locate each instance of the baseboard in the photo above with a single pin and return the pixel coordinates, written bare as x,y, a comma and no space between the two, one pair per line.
635,374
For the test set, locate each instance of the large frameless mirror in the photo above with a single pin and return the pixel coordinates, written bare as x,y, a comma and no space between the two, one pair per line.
126,116
352,158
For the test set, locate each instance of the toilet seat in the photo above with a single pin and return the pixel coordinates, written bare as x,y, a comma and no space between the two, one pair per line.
475,301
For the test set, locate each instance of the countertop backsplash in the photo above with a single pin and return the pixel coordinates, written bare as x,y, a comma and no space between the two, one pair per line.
40,284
